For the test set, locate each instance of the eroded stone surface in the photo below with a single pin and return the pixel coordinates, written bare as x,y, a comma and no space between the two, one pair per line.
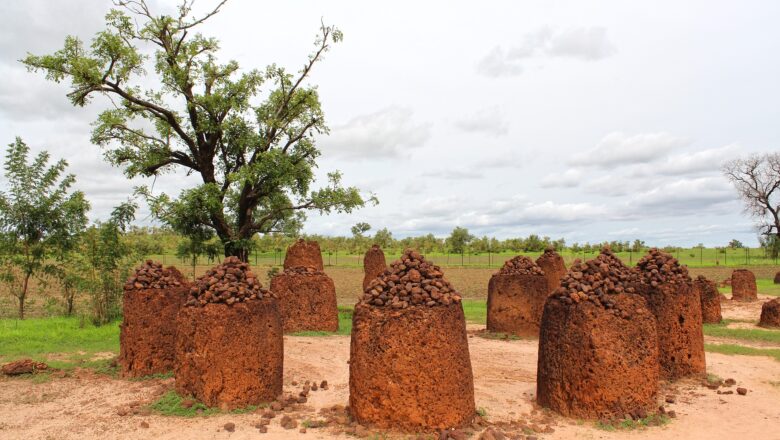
410,368
230,356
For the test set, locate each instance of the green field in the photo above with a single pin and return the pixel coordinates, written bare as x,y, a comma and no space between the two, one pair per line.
692,257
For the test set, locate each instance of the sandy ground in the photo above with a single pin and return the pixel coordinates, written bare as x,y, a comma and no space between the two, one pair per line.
89,406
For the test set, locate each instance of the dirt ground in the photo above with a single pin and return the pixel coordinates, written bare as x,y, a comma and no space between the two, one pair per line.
91,406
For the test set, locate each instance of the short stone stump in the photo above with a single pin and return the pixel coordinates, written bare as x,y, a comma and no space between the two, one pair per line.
596,362
374,264
770,314
147,335
554,268
303,253
743,285
307,301
515,303
710,300
410,368
230,356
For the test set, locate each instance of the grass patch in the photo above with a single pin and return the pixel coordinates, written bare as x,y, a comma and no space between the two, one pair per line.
482,412
170,404
73,341
732,349
167,375
631,425
345,325
721,330
499,336
40,336
475,310
767,286
714,378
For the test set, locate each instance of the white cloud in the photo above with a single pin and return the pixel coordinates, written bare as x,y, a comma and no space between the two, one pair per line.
584,43
488,120
390,132
568,179
618,149
683,197
496,64
453,174
709,160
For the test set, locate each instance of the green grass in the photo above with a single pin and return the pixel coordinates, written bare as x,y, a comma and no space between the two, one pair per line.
475,310
169,404
767,286
345,325
75,340
630,425
732,349
721,330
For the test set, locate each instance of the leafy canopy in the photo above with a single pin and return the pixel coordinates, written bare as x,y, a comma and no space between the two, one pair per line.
248,134
40,218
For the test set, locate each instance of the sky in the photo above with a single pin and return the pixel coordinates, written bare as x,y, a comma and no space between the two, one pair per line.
590,121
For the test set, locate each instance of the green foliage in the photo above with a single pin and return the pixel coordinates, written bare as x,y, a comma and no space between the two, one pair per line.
459,239
248,134
736,244
359,229
40,218
106,260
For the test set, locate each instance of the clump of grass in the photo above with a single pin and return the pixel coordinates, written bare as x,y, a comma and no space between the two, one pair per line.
482,412
166,375
733,349
714,378
169,404
631,424
498,335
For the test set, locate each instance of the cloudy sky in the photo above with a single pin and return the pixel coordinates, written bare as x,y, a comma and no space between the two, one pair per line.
585,120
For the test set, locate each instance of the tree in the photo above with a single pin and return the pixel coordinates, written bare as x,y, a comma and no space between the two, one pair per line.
194,246
459,240
638,245
383,238
107,261
736,244
254,150
359,229
757,179
40,218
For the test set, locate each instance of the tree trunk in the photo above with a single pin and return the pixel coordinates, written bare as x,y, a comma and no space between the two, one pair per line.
23,295
236,250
